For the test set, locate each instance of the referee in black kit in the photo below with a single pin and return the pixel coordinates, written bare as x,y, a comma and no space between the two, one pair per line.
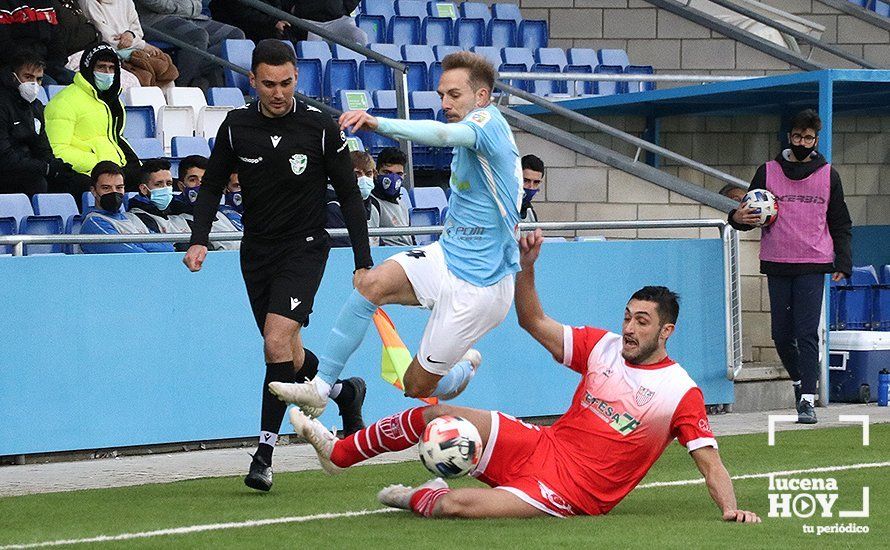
284,152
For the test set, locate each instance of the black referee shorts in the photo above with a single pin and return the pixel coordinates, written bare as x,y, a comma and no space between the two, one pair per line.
282,277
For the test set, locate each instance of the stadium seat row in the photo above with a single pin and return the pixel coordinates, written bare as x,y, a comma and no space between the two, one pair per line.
862,302
877,6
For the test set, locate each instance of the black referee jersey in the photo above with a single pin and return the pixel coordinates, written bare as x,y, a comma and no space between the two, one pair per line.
284,165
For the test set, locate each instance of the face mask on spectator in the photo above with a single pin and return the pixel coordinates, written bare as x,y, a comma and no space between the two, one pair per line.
28,90
161,197
365,185
104,81
529,195
111,202
233,199
389,185
191,194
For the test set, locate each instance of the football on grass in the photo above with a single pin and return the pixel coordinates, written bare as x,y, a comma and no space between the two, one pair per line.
450,446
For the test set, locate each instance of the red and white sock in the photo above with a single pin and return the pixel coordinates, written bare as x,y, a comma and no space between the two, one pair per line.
423,501
393,433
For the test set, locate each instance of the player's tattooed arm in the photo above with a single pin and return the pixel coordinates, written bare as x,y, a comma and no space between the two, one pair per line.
528,306
720,485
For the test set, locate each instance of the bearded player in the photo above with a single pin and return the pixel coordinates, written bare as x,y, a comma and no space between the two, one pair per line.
632,401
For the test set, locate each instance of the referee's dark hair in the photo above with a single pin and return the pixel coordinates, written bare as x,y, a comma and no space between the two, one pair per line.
272,51
667,300
151,166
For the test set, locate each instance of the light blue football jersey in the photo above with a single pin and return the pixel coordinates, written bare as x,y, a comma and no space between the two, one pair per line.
481,234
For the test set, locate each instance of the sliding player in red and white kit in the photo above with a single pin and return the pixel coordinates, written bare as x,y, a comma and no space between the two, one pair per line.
633,400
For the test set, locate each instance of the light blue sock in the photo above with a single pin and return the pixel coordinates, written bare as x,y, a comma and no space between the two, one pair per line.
346,336
453,383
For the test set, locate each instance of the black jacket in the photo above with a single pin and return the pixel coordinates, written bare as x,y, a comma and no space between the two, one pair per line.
284,165
838,218
34,25
257,25
323,10
25,152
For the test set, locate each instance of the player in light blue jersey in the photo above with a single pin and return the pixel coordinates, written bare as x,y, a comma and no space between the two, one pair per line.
466,278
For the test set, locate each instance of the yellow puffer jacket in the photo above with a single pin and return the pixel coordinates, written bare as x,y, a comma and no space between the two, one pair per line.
80,127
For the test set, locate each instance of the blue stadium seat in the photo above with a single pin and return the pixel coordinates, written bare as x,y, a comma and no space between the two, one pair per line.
182,146
430,197
225,97
639,86
8,226
516,68
147,148
406,197
385,99
375,142
54,204
882,8
864,275
433,76
340,74
475,10
415,8
238,52
373,25
373,75
608,87
418,52
491,53
551,56
583,56
314,49
309,78
42,225
421,217
613,57
441,51
425,100
469,33
391,51
548,87
342,52
501,32
140,122
15,205
53,89
506,11
403,29
72,227
352,100
379,7
532,33
580,87
518,56
437,30
442,9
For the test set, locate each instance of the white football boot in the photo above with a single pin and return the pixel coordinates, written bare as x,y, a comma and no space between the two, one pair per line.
303,395
318,436
475,359
399,496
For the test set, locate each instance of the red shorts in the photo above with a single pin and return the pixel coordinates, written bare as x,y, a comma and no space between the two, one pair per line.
521,459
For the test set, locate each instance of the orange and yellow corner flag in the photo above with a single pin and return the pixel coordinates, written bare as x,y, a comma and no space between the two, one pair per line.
395,358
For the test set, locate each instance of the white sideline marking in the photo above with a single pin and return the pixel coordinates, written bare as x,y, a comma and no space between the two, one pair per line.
771,426
200,528
857,419
302,519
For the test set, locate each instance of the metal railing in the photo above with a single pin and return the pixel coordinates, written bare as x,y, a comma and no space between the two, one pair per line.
594,77
624,136
728,236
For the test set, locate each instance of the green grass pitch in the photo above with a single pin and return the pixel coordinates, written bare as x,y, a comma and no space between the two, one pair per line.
656,517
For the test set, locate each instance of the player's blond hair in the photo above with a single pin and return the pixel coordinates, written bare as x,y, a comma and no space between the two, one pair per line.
482,72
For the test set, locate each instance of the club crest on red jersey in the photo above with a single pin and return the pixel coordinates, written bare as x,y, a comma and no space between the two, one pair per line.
643,396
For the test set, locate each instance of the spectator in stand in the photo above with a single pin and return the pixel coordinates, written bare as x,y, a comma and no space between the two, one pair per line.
255,24
810,238
386,196
334,16
107,218
232,205
154,203
85,121
191,171
33,25
78,34
733,192
183,19
27,163
364,169
118,23
532,177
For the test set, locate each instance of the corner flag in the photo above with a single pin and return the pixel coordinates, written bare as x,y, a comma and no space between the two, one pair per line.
395,358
